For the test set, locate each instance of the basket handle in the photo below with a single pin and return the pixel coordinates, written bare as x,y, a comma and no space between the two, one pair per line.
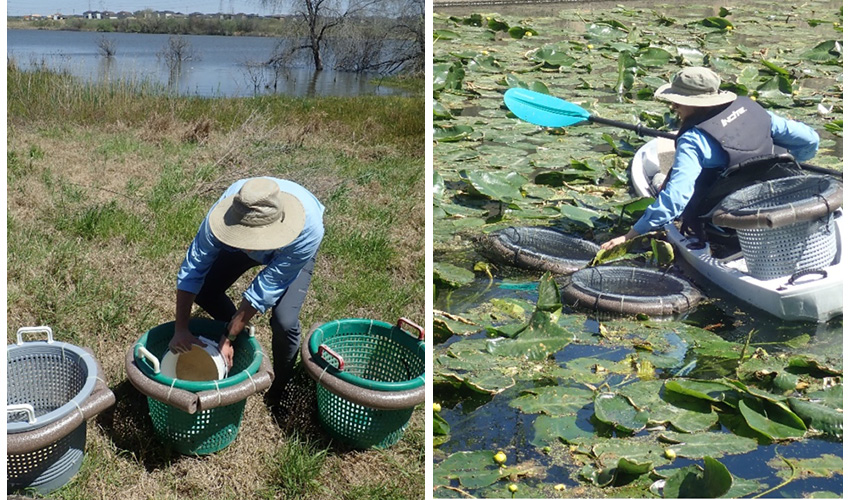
323,348
405,321
806,272
140,349
35,329
27,408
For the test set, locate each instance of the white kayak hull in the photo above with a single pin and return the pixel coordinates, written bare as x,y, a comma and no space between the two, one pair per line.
812,297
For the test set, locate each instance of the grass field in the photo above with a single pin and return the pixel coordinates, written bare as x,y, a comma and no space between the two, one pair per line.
106,187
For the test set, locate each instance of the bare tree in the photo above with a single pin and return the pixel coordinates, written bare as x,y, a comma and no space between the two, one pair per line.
106,46
322,17
388,45
177,51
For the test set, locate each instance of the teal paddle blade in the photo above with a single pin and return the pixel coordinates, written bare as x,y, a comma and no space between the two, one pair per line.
544,110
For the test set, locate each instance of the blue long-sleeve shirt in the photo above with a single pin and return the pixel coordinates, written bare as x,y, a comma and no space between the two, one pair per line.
281,265
696,150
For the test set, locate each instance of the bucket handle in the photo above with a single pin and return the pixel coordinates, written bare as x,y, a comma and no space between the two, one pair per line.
324,348
140,349
27,408
35,329
405,321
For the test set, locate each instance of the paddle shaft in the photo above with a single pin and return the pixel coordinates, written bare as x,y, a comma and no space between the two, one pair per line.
640,129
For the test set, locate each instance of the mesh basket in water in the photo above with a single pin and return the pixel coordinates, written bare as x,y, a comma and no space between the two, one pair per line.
206,431
538,248
784,225
46,381
370,375
630,290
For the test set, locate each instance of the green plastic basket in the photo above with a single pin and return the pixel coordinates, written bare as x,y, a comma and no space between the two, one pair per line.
206,431
372,355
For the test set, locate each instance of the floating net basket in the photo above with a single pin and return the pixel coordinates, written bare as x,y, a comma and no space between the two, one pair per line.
784,225
630,290
196,417
538,248
52,390
370,376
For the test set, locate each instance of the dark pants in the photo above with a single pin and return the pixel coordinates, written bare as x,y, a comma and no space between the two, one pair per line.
286,328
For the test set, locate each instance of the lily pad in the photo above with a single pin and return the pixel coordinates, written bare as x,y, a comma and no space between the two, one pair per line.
549,429
553,401
451,133
714,444
448,76
772,420
825,466
619,411
818,417
452,275
694,482
579,215
473,469
501,186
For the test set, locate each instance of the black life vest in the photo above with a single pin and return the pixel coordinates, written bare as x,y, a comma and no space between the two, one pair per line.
742,128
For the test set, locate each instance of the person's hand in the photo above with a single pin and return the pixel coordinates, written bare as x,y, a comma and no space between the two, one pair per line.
619,240
183,340
226,348
608,245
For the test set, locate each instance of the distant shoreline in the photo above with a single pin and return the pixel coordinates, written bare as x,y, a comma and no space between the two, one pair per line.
243,26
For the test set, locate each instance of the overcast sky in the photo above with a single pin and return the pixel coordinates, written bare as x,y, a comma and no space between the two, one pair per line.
44,7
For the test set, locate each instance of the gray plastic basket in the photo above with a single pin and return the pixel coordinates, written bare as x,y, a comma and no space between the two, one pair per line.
781,252
784,225
46,381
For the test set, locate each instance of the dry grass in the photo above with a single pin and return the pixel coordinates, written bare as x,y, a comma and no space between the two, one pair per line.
101,205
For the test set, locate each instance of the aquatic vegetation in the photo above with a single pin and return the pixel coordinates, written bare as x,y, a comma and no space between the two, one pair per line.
620,407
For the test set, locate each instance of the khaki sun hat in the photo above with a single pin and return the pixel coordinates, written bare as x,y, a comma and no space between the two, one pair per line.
698,87
259,217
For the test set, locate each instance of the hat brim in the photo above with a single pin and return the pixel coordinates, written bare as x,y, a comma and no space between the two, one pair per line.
226,228
666,93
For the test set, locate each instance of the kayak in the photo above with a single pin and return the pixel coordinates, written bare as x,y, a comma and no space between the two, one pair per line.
815,296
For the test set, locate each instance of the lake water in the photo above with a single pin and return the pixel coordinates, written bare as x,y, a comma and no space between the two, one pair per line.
221,67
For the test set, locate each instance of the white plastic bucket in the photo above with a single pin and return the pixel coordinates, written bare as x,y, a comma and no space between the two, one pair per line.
198,364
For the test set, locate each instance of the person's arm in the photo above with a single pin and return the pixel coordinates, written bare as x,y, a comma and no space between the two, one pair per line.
237,324
798,138
196,264
183,339
692,149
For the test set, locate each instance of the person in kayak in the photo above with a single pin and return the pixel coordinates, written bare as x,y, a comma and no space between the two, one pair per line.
260,221
718,129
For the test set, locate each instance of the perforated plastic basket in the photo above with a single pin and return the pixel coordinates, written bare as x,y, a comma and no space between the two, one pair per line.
774,253
377,358
45,382
784,225
206,431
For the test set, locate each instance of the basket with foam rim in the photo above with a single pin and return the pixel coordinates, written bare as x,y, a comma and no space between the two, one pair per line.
151,351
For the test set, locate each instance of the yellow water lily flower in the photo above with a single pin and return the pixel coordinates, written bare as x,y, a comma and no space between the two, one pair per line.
500,457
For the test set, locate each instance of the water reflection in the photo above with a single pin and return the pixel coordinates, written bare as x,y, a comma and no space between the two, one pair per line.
224,66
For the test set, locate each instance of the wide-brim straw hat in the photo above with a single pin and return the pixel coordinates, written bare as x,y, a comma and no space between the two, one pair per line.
699,87
259,217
